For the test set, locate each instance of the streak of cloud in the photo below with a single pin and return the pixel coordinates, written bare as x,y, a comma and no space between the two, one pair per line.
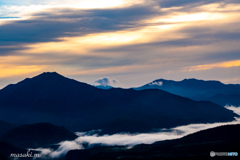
229,64
49,26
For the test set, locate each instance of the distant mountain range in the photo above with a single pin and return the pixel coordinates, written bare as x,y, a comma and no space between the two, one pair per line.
214,91
53,98
104,87
196,146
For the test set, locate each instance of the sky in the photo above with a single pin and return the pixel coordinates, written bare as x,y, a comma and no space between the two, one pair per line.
132,42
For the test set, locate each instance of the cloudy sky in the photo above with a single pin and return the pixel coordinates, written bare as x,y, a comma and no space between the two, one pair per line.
132,41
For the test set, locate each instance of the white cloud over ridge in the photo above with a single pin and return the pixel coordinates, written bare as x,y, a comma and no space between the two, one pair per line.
157,83
106,82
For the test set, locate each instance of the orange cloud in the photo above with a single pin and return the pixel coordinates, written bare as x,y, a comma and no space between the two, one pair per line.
227,64
9,71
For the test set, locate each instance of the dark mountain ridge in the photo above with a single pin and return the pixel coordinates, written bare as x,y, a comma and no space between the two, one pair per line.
6,149
199,90
53,98
37,135
4,127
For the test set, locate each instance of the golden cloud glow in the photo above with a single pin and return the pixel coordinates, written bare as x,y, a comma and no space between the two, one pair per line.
117,69
184,17
9,70
228,64
85,44
82,45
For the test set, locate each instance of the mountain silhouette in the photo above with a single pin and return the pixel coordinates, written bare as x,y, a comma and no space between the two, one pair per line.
104,87
224,99
125,126
51,97
37,135
4,127
195,146
200,90
6,149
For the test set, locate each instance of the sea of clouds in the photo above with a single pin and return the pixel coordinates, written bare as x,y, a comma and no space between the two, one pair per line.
92,138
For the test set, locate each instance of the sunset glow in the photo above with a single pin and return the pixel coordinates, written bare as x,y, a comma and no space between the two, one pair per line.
92,39
216,65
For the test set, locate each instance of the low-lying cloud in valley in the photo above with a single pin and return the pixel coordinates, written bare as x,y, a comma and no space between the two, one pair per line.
130,140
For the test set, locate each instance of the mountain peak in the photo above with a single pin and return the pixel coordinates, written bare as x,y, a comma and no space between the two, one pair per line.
50,74
199,80
191,79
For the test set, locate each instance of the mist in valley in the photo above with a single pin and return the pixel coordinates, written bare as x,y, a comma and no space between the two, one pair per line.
91,138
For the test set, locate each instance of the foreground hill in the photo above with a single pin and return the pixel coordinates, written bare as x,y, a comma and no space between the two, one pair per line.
6,149
4,127
52,98
194,146
200,90
37,135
